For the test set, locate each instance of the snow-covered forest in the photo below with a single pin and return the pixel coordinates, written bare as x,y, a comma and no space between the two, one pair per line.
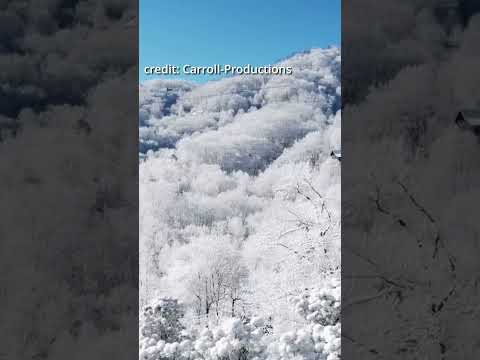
240,215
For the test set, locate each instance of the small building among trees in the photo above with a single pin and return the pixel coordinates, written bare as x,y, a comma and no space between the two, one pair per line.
336,154
469,119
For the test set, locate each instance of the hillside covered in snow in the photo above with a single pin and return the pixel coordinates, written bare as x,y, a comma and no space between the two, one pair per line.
240,214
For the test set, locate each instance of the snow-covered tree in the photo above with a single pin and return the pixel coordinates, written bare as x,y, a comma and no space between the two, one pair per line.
161,320
234,338
320,338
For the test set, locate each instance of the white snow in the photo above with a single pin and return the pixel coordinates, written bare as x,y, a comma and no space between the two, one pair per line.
240,211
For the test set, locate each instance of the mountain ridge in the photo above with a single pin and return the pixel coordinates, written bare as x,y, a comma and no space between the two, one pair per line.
315,81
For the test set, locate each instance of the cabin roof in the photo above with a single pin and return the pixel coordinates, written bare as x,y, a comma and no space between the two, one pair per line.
337,154
470,116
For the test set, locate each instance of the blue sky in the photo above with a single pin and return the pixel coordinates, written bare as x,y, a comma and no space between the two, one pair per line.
232,32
